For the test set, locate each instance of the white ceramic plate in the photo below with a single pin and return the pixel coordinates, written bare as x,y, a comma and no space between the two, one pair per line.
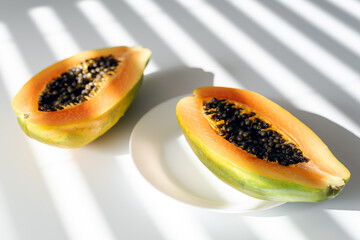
166,161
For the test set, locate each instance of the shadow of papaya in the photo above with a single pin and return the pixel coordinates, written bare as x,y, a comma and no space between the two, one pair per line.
156,88
98,161
345,147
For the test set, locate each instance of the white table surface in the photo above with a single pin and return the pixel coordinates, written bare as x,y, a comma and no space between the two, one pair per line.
302,54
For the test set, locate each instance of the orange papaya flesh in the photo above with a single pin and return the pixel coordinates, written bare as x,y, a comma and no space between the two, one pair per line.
78,124
318,178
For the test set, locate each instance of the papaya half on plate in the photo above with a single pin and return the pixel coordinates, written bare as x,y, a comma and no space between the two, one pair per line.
76,100
259,148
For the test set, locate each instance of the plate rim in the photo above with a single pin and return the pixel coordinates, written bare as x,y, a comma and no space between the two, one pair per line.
272,204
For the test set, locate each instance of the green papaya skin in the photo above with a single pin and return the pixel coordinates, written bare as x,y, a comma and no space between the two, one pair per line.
79,134
252,184
77,124
321,178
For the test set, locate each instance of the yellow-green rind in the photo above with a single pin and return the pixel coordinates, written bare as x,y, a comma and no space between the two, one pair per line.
79,134
82,123
255,184
252,184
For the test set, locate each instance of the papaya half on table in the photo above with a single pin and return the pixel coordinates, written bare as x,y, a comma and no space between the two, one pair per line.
76,100
259,148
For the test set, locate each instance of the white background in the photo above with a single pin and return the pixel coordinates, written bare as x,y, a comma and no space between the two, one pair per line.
303,54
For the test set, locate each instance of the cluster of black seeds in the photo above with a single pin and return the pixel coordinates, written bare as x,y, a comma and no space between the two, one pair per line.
245,130
77,84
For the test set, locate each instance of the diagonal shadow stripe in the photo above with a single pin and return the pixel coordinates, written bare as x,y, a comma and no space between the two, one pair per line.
114,194
328,229
29,41
78,26
29,202
216,48
301,68
228,226
139,29
339,14
326,41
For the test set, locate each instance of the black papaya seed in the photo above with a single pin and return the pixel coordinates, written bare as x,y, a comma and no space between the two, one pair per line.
77,84
249,132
